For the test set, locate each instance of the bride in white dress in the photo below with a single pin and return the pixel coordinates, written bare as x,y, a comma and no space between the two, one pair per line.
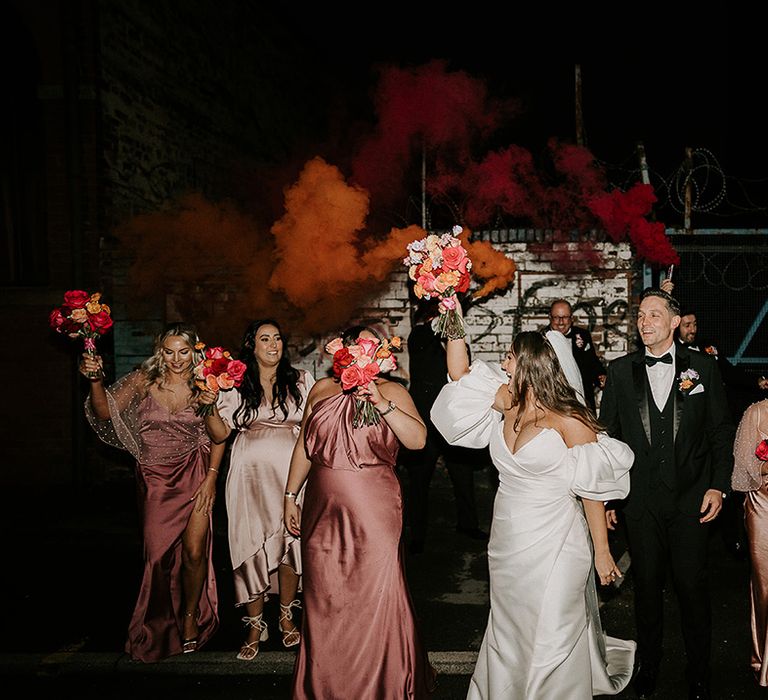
543,638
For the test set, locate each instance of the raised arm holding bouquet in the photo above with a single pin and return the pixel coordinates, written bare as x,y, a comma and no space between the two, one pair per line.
82,315
439,267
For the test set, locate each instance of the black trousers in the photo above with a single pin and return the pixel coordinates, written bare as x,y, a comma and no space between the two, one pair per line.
420,464
665,540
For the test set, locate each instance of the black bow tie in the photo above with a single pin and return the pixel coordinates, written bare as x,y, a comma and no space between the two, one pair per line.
651,361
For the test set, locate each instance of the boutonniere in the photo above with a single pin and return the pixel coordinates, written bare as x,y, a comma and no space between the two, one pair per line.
688,379
579,341
711,350
762,451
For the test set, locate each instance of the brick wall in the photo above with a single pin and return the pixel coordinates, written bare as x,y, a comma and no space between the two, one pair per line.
602,303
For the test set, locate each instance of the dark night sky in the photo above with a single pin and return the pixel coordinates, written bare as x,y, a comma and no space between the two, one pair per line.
669,77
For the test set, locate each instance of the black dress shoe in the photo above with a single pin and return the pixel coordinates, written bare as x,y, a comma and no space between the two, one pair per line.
699,691
645,682
474,532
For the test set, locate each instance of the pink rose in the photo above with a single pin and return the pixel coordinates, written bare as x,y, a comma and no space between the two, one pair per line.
214,353
76,299
351,377
368,346
370,372
453,257
762,451
426,281
387,364
363,361
79,315
449,303
236,371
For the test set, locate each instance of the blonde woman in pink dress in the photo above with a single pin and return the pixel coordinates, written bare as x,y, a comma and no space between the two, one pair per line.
151,413
359,635
750,475
265,412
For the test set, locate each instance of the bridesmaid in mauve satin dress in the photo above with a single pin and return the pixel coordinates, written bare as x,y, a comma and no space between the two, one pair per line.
359,637
151,413
750,474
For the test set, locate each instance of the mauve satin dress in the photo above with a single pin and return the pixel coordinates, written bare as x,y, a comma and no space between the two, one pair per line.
175,454
359,636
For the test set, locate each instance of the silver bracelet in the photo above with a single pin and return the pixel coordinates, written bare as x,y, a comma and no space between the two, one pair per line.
391,407
290,494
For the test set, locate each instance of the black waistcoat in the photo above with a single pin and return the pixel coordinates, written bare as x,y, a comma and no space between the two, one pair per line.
662,439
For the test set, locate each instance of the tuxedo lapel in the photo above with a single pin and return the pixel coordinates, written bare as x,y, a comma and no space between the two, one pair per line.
641,393
682,361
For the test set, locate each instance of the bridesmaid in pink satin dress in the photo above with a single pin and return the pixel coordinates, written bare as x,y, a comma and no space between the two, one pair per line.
151,413
359,636
750,475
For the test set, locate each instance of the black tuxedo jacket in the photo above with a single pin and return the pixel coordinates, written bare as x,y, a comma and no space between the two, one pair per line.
703,430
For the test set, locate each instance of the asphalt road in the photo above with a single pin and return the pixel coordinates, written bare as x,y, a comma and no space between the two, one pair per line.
74,563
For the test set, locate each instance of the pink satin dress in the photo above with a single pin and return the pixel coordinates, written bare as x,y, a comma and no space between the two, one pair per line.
175,451
359,635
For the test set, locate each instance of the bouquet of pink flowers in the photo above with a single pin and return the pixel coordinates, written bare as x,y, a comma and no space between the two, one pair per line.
358,365
217,371
82,315
439,267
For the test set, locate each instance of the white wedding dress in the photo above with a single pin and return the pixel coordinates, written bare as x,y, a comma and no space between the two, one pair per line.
543,638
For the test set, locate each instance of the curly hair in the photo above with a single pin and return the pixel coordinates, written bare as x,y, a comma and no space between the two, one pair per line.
537,369
251,391
154,368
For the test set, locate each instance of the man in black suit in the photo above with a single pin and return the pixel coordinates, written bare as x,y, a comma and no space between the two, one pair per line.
669,405
590,367
428,370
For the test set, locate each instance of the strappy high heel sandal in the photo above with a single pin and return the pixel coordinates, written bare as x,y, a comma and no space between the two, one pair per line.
250,650
292,636
189,644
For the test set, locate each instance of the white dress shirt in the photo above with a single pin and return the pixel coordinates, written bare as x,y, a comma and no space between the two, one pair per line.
661,377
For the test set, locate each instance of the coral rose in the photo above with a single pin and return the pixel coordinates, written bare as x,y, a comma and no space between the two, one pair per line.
453,257
351,377
225,381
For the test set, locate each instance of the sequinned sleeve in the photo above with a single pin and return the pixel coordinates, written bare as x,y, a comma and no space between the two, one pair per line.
746,466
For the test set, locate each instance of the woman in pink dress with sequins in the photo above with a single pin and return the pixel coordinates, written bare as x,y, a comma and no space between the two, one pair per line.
359,636
151,413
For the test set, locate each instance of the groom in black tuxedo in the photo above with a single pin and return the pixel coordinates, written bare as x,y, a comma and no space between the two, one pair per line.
669,405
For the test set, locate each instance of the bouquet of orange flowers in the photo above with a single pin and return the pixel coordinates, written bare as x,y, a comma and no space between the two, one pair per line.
439,266
358,365
215,372
82,315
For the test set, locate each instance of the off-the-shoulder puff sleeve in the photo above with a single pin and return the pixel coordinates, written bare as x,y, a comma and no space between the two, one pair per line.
601,469
463,411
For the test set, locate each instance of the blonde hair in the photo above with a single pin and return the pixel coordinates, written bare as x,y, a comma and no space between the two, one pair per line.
154,368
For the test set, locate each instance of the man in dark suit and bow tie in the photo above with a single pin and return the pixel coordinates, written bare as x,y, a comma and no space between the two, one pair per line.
669,405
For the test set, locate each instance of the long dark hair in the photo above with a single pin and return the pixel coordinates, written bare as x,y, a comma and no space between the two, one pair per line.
286,379
538,369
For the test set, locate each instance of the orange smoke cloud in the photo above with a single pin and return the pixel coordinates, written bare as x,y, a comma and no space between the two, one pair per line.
325,262
211,259
488,264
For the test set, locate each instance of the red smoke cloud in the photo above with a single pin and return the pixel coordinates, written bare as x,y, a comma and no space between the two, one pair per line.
424,106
